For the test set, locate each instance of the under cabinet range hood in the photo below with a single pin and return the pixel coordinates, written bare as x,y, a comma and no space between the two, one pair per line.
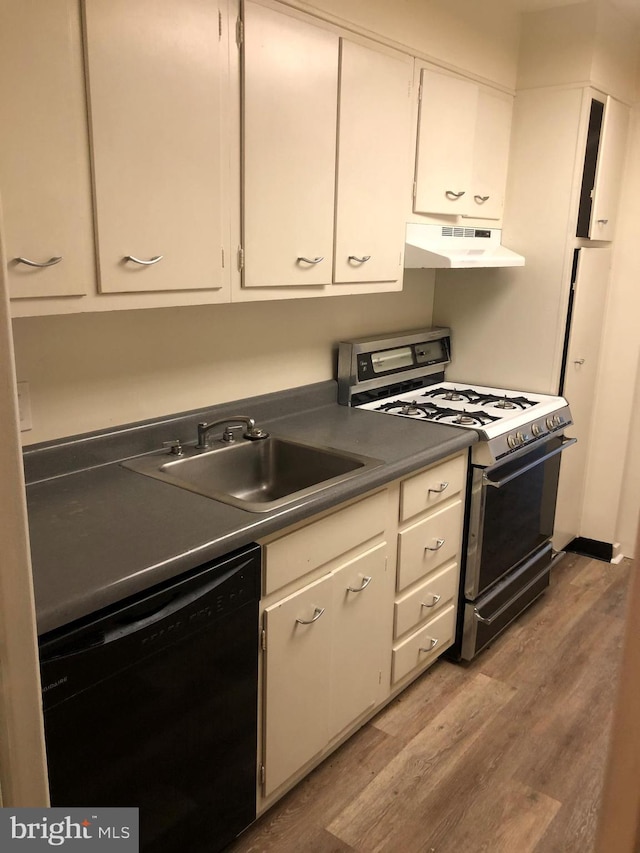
456,247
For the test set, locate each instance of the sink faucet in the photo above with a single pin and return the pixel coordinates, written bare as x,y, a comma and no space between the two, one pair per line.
252,432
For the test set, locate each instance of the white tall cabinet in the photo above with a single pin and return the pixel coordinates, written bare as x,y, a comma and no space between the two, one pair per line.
588,305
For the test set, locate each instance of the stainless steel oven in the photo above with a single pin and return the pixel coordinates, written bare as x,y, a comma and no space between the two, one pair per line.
513,473
509,556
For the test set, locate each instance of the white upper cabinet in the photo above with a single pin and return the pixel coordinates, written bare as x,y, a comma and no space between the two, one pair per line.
326,146
44,164
462,147
155,74
610,163
373,178
290,93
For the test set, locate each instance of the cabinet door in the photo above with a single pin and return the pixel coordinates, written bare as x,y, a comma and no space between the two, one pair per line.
44,155
373,169
290,89
611,154
585,334
154,84
297,677
362,596
444,156
490,154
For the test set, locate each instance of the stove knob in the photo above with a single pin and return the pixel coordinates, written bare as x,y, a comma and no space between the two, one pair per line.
550,424
557,420
520,438
512,440
535,429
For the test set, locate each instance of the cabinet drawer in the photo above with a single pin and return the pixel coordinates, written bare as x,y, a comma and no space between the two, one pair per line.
425,645
310,547
425,601
431,487
429,543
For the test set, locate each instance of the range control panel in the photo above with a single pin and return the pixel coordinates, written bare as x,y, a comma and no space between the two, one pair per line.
398,359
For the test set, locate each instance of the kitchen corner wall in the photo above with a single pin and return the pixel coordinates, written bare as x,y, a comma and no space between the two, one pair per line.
93,371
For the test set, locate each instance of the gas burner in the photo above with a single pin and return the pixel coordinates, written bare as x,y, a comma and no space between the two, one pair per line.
465,420
453,395
504,402
462,418
410,410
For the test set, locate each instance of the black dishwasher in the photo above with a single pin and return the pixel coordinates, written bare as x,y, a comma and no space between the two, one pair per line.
153,703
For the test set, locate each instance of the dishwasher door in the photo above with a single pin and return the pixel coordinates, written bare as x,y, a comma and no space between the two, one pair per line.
154,705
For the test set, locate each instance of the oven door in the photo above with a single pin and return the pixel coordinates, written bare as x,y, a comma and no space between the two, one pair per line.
512,512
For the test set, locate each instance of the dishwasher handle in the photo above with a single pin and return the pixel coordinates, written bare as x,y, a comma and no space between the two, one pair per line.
177,603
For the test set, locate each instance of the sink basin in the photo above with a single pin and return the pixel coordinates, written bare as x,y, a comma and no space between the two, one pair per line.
257,476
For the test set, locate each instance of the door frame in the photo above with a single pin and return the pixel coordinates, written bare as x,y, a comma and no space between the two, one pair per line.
23,772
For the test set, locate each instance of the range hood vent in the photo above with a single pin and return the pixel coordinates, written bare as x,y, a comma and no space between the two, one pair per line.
456,247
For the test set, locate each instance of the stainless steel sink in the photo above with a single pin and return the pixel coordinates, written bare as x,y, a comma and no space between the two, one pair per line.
257,476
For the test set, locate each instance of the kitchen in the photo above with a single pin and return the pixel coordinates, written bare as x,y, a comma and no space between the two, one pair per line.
193,367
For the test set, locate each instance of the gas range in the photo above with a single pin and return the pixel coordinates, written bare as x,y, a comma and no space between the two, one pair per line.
404,375
513,475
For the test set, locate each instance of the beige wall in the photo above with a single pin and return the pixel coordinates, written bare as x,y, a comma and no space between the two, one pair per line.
91,371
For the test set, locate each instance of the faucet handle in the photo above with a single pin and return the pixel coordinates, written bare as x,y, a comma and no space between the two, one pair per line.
174,446
228,435
253,433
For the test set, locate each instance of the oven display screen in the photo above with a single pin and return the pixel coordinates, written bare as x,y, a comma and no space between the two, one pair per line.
391,359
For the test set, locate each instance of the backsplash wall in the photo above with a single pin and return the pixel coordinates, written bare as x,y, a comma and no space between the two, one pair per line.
93,371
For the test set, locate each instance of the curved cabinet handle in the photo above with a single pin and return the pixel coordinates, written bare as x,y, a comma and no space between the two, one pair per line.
450,194
361,260
439,544
578,361
436,599
317,613
603,221
310,260
433,641
480,199
50,263
144,263
439,490
365,583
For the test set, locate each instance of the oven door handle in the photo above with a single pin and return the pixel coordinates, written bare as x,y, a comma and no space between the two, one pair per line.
497,484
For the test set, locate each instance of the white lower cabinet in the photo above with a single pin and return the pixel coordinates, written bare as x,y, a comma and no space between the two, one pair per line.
328,635
357,603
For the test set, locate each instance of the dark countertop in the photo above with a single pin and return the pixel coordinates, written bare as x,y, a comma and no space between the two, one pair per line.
100,533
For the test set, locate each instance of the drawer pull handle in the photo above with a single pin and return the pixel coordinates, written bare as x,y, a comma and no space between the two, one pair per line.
361,260
317,613
480,199
450,194
603,221
440,490
438,545
310,260
436,599
50,263
365,583
144,263
434,643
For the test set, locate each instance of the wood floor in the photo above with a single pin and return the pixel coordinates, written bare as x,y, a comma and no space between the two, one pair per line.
503,755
